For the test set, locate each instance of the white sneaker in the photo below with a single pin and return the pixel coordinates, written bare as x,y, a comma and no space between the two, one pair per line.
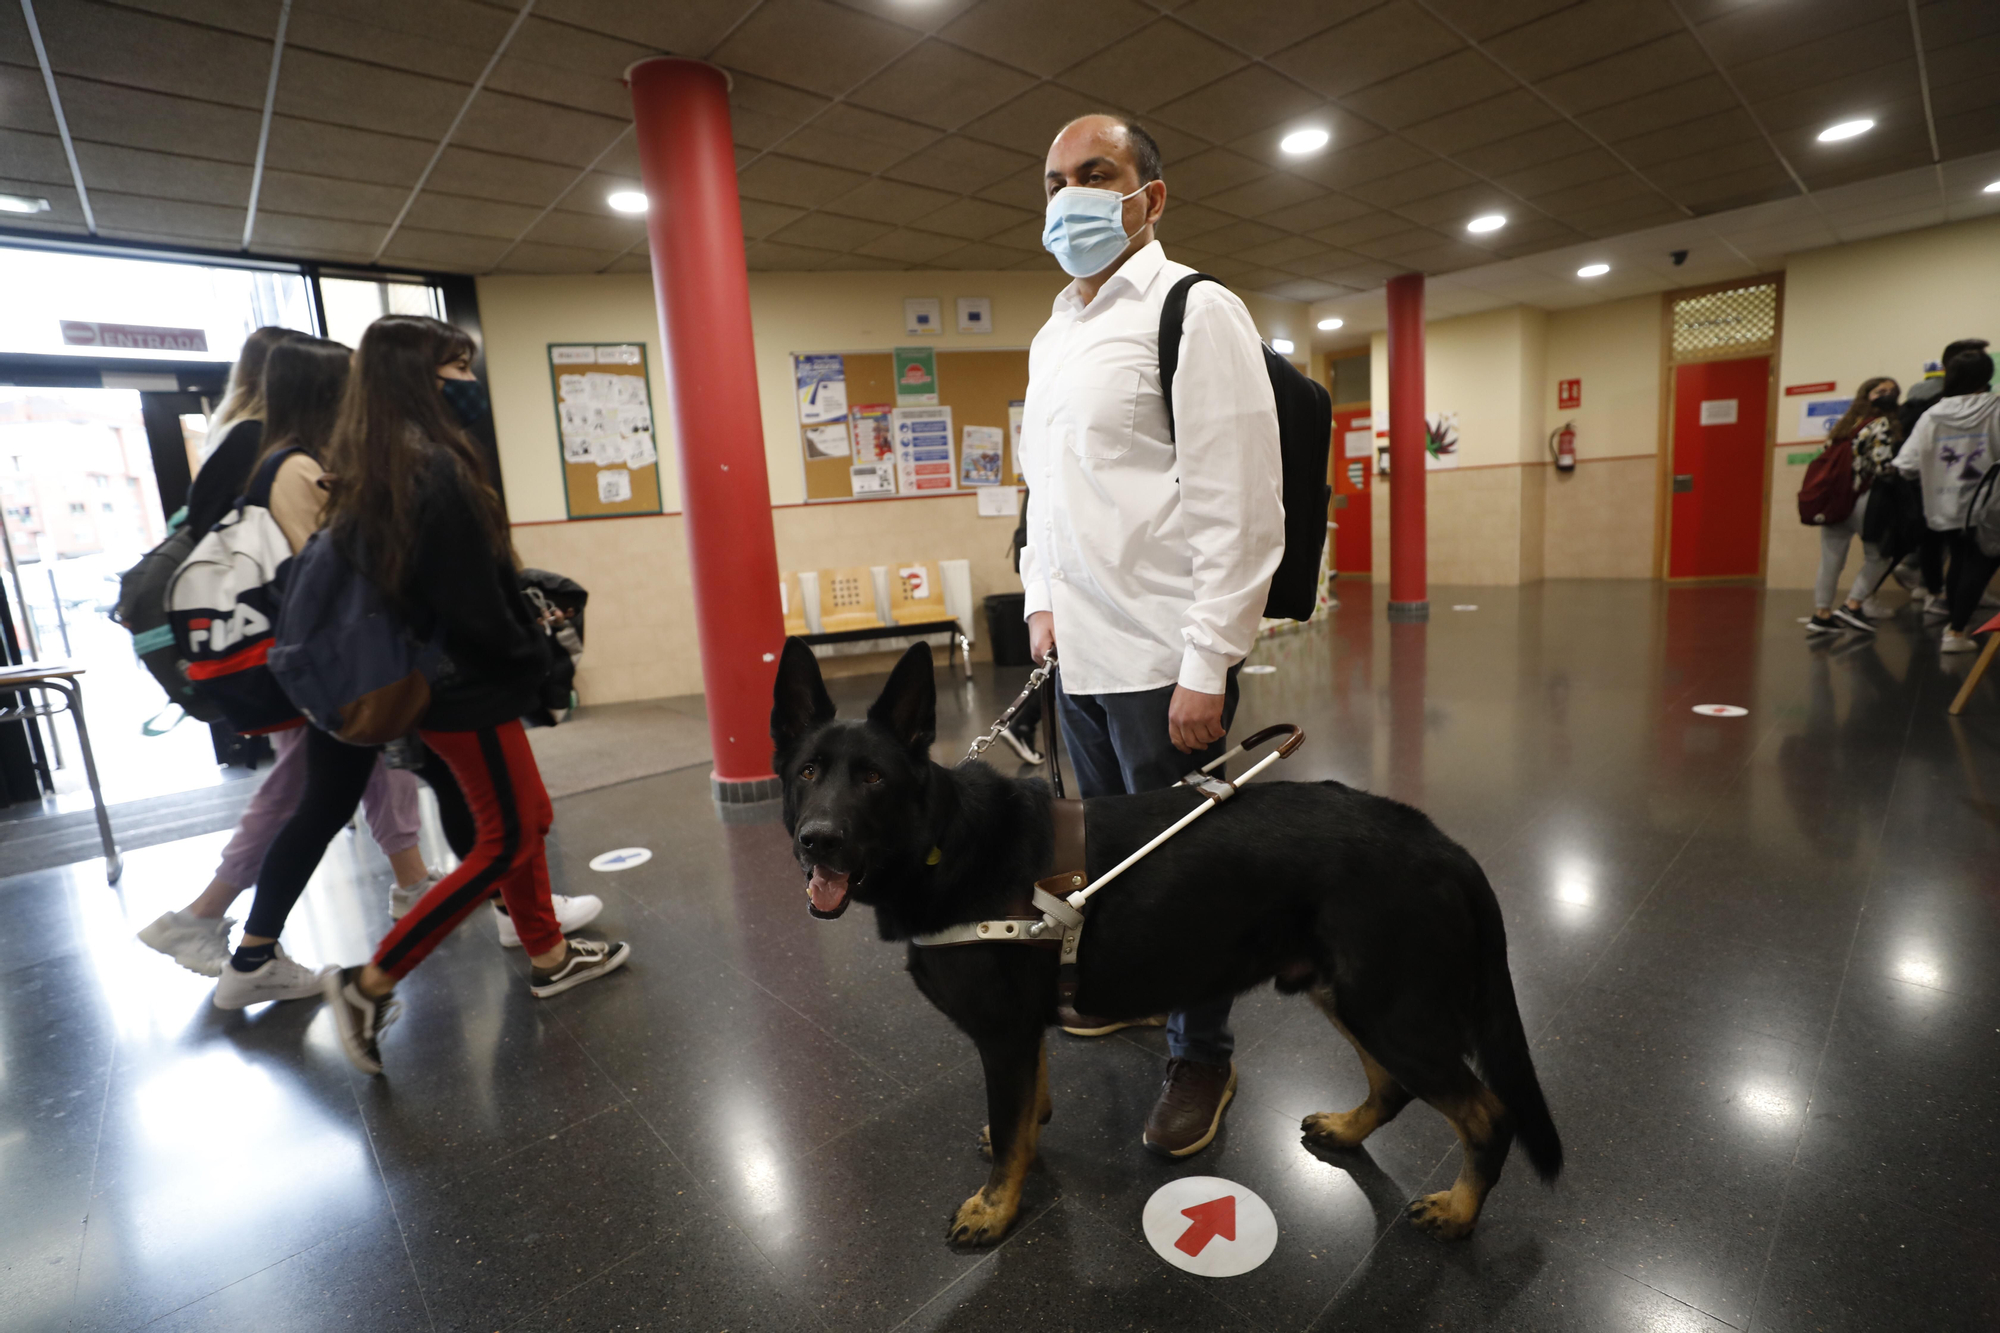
197,943
571,914
1935,608
1958,643
401,900
279,979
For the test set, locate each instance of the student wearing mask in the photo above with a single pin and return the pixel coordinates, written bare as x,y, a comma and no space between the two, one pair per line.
1869,427
295,405
1953,444
413,511
235,432
1149,554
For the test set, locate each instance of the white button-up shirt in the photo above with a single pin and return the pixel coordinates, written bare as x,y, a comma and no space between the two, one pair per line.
1154,553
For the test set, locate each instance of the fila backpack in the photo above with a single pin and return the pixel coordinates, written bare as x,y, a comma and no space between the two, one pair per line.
222,604
1305,433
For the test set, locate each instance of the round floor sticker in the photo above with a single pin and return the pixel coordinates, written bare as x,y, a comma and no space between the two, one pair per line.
1721,710
1209,1226
622,859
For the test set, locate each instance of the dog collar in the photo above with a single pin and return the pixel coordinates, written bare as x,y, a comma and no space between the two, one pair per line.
937,855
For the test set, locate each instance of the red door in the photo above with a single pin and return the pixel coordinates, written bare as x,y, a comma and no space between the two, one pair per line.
1720,461
1354,539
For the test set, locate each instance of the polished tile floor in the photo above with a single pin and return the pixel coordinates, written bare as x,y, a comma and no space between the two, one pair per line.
1759,959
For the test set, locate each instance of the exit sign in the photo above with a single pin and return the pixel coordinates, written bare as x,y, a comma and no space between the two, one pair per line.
1569,394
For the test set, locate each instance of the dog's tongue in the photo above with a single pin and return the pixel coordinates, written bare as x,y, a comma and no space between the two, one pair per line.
828,889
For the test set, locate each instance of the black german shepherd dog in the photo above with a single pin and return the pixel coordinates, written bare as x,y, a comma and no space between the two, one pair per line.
1389,926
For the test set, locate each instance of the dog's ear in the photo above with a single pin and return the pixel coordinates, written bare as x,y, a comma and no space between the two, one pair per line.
908,703
799,700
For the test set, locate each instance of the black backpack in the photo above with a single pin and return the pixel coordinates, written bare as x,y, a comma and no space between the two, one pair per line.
1305,433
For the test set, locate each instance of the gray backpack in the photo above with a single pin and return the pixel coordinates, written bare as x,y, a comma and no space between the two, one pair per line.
1982,514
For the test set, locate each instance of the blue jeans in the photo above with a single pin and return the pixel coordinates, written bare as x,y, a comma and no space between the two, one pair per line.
1118,746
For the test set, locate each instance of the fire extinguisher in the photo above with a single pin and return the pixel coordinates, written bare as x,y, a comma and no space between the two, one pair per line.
1562,445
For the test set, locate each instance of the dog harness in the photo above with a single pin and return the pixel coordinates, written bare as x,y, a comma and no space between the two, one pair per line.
1052,916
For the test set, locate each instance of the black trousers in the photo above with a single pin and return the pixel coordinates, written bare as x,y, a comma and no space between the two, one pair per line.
1971,570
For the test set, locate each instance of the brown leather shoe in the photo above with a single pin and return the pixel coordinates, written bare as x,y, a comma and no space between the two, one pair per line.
1086,1025
1190,1108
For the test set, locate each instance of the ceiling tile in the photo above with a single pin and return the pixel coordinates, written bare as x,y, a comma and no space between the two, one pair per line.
761,219
482,175
1280,252
1449,210
925,16
558,62
1270,25
828,231
894,202
857,262
1154,65
535,257
251,20
1253,98
1307,289
1457,80
787,180
1528,149
1973,130
1485,122
163,55
346,92
1418,182
1705,96
132,116
811,44
1735,189
1358,231
328,197
1186,219
588,231
1262,197
460,216
1345,166
503,123
820,143
1364,51
773,256
127,215
964,165
910,246
1018,188
1345,128
1967,60
1591,165
1313,214
1676,175
1580,34
632,264
1665,62
761,112
1866,53
1030,123
1206,173
23,104
979,255
1749,32
451,252
1442,257
289,233
450,39
1481,19
884,136
335,150
1263,280
1044,36
1721,130
975,219
1330,260
35,158
1239,235
685,27
1621,216
1592,194
941,85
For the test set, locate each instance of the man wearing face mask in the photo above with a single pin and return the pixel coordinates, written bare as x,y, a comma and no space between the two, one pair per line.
1150,547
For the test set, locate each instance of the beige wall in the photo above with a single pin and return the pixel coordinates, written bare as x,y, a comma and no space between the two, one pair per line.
1880,307
1599,520
642,642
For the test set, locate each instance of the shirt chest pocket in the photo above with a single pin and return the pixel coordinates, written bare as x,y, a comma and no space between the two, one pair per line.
1092,411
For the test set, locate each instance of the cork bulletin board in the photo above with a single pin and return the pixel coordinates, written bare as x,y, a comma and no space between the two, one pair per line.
604,425
982,389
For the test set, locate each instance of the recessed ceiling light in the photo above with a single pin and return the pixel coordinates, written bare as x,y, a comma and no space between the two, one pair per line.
1994,188
1327,325
1490,222
21,203
1305,141
627,201
1282,346
1847,129
1593,270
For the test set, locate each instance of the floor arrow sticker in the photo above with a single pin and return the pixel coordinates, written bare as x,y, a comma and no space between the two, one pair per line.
1209,1226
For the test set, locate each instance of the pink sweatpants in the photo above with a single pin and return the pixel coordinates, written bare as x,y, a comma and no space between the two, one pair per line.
390,804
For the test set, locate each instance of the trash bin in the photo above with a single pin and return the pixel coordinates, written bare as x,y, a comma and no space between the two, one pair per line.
1006,630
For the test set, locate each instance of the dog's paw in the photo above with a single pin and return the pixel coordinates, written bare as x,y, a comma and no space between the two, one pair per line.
1335,1129
1436,1214
986,1142
980,1222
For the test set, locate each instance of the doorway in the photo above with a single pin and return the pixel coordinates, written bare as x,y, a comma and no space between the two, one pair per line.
1352,463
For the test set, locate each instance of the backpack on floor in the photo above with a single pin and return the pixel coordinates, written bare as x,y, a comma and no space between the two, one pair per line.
222,605
142,610
1827,493
344,657
1982,514
1305,432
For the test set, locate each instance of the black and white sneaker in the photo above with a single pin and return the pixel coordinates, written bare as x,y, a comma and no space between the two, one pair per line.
587,960
360,1019
1853,619
1029,754
1823,625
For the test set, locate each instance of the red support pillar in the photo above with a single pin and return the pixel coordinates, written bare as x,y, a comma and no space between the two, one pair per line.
694,225
1408,593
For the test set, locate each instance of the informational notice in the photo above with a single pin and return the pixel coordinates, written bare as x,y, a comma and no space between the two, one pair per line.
979,456
822,383
873,478
604,422
1718,411
999,501
1817,415
1016,411
923,449
916,377
1357,443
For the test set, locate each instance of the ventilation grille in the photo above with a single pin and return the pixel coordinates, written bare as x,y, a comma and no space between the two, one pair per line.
1740,319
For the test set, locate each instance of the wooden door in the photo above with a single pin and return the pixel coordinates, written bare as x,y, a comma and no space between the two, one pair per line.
1353,508
1721,463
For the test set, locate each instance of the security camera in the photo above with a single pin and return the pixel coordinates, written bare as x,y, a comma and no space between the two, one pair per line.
1680,257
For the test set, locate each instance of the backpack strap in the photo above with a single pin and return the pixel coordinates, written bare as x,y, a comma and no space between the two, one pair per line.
1173,313
258,492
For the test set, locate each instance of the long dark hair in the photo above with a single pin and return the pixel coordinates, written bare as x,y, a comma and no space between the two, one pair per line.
394,432
303,381
1862,410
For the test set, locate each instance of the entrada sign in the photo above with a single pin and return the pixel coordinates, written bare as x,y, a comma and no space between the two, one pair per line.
140,337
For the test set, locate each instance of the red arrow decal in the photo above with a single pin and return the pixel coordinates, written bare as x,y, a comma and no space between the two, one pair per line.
1215,1218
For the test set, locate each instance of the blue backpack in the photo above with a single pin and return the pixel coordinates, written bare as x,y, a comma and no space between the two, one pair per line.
351,665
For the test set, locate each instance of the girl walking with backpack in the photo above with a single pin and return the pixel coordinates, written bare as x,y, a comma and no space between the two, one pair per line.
412,510
1868,429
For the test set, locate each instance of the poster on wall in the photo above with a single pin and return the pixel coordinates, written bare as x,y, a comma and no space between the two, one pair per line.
923,449
822,389
916,377
979,456
604,426
1440,441
874,446
1359,443
1818,415
1016,410
873,478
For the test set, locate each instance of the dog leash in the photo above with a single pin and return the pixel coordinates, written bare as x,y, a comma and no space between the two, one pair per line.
1035,680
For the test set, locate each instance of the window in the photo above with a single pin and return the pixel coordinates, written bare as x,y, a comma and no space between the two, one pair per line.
352,304
108,508
100,481
76,508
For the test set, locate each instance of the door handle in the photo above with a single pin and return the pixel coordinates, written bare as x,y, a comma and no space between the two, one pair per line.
1683,482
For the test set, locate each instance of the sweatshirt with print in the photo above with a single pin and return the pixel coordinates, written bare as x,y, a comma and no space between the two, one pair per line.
1949,450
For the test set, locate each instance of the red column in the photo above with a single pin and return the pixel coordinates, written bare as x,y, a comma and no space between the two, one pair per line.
1408,596
687,162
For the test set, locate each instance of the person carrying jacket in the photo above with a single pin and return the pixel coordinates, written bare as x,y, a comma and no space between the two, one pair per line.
1869,427
412,510
1952,446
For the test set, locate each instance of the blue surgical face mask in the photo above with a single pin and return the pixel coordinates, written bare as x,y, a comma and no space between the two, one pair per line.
1085,229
